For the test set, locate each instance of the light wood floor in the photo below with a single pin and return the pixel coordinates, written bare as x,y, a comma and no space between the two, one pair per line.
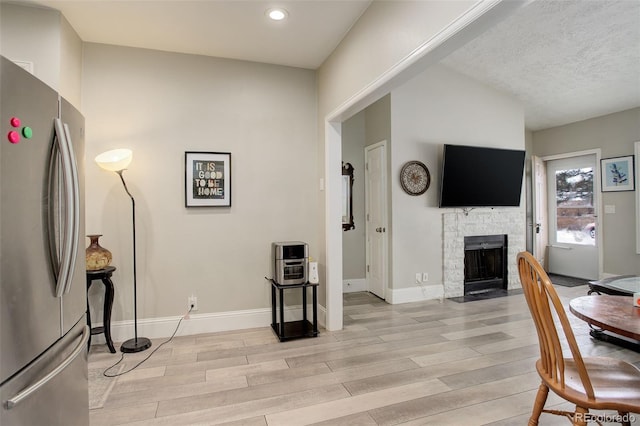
427,363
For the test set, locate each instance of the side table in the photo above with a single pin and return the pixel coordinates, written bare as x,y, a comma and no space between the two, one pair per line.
103,275
294,329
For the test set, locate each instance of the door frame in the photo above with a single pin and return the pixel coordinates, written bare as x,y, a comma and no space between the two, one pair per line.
597,190
384,201
540,240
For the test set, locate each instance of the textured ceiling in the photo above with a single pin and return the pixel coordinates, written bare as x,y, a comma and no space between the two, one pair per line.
565,60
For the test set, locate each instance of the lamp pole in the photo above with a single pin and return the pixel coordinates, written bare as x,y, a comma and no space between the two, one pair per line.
136,344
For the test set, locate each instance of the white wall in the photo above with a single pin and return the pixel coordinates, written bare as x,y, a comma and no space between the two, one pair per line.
438,107
379,47
44,38
162,104
386,34
353,249
137,86
70,64
614,134
33,35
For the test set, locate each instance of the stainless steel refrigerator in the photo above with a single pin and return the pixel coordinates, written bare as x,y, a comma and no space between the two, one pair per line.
43,331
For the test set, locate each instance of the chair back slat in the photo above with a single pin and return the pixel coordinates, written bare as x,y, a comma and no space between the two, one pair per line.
547,310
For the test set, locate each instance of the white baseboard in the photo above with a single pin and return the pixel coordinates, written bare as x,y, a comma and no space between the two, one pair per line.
354,285
414,294
155,328
608,275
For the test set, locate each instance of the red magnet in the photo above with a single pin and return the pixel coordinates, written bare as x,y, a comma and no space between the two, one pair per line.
14,137
15,121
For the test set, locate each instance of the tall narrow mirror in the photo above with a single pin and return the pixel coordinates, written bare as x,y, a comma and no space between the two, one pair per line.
347,197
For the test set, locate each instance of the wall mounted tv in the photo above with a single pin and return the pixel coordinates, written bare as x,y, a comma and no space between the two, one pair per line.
475,176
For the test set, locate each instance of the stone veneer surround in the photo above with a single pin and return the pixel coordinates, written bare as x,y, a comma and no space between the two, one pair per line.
457,225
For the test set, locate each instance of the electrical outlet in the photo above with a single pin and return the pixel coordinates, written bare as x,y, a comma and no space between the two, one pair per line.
192,301
418,277
425,277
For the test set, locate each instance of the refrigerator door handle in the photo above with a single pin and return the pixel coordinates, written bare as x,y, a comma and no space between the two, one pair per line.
64,274
50,228
25,393
75,193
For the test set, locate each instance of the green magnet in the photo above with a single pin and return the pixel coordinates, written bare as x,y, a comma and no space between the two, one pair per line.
27,132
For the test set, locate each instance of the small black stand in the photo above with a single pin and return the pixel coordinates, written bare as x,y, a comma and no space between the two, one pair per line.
294,329
103,275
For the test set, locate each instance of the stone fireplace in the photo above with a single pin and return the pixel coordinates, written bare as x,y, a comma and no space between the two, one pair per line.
507,222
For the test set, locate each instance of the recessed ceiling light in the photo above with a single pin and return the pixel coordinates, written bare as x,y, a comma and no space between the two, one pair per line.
277,14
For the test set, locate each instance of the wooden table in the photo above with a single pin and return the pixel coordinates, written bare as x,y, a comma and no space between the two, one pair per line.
615,317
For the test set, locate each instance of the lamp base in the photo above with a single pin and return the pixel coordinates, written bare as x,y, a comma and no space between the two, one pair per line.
135,345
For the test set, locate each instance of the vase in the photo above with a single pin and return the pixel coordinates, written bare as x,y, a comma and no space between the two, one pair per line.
97,257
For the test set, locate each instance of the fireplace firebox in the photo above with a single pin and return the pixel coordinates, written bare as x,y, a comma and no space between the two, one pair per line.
485,263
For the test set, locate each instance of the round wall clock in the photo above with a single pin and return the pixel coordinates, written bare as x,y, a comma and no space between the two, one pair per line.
415,178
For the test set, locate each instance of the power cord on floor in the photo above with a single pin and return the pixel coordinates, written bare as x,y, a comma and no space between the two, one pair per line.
104,373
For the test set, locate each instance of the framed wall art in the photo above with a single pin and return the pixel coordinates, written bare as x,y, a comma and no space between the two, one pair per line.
617,174
207,179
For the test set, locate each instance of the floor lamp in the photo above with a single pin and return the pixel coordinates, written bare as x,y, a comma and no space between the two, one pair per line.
117,161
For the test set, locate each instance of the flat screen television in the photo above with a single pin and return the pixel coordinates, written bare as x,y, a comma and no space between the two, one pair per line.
475,176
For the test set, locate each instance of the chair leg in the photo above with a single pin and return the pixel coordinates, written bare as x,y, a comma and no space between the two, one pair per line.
538,405
579,418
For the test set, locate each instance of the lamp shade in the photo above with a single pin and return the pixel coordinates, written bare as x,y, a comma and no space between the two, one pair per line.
115,160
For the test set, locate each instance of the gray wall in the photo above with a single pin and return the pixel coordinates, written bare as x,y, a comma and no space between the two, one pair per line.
353,241
162,104
614,134
368,127
394,31
439,106
378,121
44,38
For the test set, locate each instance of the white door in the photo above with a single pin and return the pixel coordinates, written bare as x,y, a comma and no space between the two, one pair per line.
540,223
376,214
572,213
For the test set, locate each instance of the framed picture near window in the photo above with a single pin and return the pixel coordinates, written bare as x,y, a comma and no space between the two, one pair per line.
207,179
617,174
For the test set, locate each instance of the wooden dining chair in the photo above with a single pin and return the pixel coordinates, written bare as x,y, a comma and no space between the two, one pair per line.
597,383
